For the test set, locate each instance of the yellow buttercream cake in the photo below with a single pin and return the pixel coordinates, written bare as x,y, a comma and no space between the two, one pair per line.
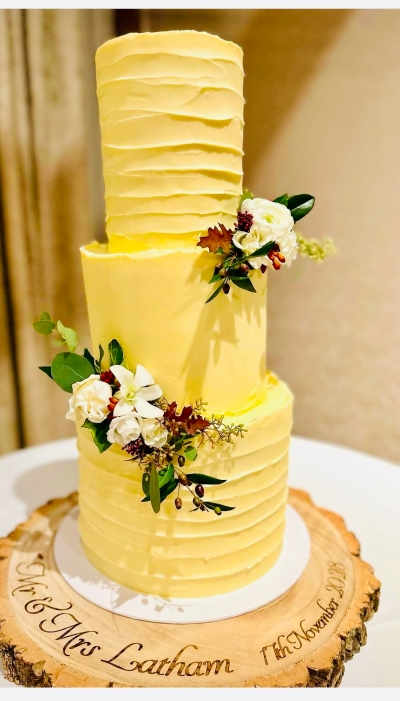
171,116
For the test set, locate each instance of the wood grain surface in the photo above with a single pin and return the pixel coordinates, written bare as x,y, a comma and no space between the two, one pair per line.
50,636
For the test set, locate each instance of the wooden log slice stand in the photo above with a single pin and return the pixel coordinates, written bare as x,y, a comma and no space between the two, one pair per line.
50,636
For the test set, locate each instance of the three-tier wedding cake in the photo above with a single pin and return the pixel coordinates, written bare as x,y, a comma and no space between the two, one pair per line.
183,434
171,116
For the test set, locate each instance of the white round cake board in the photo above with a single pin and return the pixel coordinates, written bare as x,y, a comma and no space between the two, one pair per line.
93,586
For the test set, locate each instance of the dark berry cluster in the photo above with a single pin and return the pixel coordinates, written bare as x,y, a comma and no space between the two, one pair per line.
135,448
107,376
244,222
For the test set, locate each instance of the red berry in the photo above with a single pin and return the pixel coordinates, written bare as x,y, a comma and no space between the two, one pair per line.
178,503
226,288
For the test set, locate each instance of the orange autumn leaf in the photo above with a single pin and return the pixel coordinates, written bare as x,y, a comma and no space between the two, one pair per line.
217,240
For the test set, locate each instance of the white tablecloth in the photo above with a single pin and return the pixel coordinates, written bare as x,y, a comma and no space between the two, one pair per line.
363,489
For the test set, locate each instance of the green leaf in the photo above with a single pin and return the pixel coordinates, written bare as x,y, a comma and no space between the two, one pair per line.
236,272
190,452
116,352
212,505
215,294
198,478
244,283
101,355
154,490
146,484
166,490
246,196
99,433
300,205
45,324
215,278
165,476
87,354
47,370
263,250
283,199
68,368
69,336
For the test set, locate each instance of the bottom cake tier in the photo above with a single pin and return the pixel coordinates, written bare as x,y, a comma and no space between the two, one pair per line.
191,553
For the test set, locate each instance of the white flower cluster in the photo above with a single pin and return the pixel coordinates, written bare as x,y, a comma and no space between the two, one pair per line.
272,221
133,414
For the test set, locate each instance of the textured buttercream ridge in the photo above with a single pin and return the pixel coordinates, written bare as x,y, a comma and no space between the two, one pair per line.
228,522
195,43
212,580
124,485
180,540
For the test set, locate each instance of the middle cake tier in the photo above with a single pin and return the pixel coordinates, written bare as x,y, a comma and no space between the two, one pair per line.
181,553
153,303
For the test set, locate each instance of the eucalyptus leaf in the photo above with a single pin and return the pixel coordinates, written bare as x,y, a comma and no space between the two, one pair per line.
300,205
47,370
283,199
190,453
154,490
215,294
246,196
198,478
165,476
99,433
44,325
263,251
212,505
244,283
69,336
87,354
68,368
116,352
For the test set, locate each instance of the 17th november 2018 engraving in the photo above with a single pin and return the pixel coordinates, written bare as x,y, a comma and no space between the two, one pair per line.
287,643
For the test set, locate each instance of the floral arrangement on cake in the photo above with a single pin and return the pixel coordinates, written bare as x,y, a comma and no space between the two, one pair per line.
263,238
128,409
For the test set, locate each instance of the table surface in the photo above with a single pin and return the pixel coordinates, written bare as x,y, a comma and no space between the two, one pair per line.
363,489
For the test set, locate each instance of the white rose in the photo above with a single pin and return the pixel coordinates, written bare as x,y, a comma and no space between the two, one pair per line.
124,429
90,399
153,432
272,221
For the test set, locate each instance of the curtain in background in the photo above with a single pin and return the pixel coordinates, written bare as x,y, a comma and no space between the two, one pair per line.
51,201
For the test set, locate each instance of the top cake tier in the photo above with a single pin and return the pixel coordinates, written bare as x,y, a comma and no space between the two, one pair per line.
171,118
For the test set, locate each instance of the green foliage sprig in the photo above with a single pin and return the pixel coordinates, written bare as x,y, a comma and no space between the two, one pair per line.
69,367
316,249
